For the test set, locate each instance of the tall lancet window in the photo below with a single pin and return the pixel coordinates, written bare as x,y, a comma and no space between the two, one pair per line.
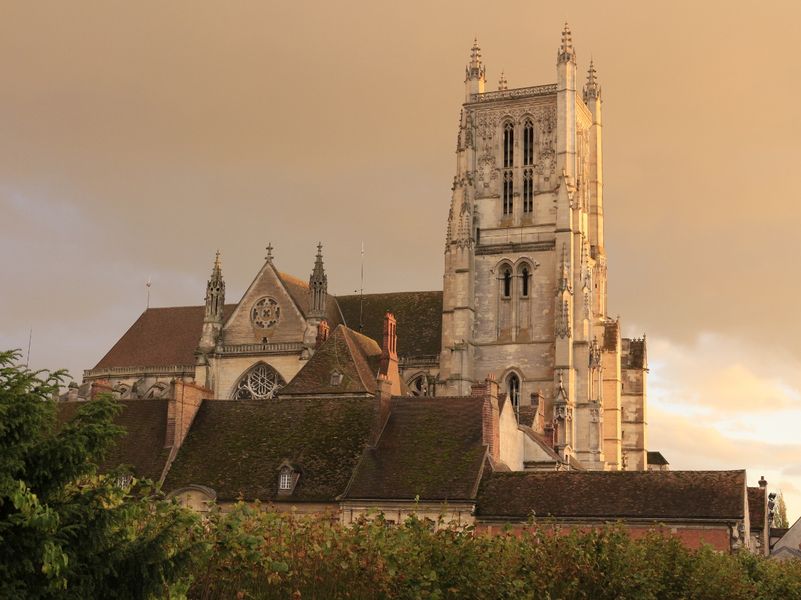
528,143
528,190
507,282
508,190
524,280
508,145
513,389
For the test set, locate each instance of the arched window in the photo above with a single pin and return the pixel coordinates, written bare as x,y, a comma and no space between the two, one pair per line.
528,142
513,389
524,279
507,282
528,190
508,189
418,386
508,145
260,383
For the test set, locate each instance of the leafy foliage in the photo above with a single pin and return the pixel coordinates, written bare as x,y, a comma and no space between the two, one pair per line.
65,530
260,554
780,514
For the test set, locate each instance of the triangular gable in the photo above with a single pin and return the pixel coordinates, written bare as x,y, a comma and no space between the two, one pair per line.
267,287
346,363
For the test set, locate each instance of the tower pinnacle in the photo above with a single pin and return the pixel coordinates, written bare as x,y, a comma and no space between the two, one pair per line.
215,302
474,73
502,83
591,88
566,52
318,285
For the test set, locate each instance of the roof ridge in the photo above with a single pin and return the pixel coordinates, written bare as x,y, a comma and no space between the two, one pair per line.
291,278
360,360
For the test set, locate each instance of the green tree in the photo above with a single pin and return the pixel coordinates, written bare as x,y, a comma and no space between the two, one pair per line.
780,512
67,531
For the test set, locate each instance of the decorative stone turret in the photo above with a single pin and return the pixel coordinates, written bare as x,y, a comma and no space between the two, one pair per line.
502,83
318,286
389,354
591,89
475,75
215,301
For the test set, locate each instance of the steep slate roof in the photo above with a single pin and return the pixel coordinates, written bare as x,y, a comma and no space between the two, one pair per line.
756,507
655,458
430,447
142,444
352,354
612,495
299,290
418,314
160,337
236,447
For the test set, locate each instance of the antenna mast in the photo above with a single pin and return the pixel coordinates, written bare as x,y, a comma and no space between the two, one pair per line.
30,337
361,294
148,284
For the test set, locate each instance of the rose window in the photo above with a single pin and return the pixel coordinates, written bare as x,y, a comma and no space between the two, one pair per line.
261,382
265,313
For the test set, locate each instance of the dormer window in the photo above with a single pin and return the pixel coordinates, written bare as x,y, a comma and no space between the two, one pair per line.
288,476
336,378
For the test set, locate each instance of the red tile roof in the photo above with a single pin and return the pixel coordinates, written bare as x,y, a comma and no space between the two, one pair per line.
142,444
351,354
614,495
160,337
430,448
236,447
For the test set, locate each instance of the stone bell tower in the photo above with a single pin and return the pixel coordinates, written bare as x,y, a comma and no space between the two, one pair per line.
524,287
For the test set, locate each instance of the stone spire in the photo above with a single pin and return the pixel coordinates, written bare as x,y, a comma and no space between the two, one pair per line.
318,286
502,83
566,52
215,301
591,88
475,74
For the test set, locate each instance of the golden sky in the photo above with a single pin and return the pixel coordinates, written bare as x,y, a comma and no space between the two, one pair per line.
137,138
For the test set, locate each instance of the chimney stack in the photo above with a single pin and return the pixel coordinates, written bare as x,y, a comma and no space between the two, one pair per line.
490,423
389,354
322,333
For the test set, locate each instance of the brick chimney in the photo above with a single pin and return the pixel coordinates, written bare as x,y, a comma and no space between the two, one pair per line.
182,406
490,416
389,354
383,396
322,333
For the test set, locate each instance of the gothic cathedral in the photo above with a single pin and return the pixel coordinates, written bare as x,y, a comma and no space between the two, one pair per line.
524,292
523,299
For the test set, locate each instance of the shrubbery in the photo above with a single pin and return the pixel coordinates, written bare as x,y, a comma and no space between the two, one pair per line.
258,554
68,532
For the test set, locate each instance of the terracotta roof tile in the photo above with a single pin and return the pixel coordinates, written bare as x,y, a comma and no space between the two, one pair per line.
236,447
346,352
160,337
142,445
430,448
756,507
418,314
613,495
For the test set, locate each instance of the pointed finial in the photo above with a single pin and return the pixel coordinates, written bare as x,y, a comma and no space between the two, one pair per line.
475,70
269,257
502,83
566,53
319,249
591,90
217,260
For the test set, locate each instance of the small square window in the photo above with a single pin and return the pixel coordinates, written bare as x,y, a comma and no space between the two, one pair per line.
336,378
